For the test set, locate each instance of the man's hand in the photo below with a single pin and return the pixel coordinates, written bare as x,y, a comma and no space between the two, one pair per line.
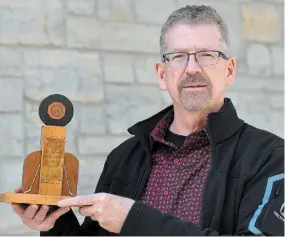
108,209
36,218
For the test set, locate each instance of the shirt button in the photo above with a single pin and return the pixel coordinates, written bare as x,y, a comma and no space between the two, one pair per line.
165,193
176,161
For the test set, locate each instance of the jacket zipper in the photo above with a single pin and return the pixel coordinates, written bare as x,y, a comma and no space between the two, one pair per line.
208,176
140,181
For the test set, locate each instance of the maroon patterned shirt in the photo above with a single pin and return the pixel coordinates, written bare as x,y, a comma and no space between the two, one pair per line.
179,172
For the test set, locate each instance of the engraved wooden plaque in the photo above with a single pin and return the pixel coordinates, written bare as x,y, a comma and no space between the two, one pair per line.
50,174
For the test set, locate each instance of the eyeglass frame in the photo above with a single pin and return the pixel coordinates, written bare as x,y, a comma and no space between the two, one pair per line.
220,54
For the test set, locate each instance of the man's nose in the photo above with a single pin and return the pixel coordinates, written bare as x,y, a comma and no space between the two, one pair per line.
192,66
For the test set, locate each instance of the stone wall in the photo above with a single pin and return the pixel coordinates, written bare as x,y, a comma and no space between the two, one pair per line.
100,54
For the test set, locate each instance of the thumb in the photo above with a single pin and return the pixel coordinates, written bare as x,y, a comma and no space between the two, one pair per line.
18,190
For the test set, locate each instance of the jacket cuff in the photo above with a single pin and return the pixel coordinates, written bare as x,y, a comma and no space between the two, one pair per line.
131,219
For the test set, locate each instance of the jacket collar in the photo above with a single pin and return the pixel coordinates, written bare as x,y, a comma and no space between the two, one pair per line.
221,125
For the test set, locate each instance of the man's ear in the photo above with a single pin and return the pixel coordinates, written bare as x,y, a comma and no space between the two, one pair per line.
160,75
231,71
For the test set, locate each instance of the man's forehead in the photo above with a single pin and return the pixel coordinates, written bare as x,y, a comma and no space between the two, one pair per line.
199,37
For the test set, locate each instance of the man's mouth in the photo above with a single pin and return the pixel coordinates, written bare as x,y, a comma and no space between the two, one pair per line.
195,85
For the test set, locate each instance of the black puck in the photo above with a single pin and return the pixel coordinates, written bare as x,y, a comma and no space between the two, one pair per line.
56,110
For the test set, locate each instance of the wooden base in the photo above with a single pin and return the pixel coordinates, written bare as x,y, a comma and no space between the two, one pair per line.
31,198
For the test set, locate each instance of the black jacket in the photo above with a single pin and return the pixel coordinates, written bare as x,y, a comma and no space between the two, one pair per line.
243,195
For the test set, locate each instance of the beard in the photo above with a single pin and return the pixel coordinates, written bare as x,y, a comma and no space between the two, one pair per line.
195,100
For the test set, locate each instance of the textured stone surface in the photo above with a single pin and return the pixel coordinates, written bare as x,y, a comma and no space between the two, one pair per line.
101,55
129,104
90,168
115,10
11,135
32,22
258,60
118,68
92,120
261,22
145,69
10,62
89,33
81,7
76,75
89,145
152,8
277,101
11,95
278,60
268,84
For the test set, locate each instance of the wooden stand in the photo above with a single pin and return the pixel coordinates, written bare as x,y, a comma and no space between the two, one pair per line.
49,175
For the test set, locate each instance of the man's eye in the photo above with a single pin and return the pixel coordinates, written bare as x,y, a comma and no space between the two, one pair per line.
178,56
207,55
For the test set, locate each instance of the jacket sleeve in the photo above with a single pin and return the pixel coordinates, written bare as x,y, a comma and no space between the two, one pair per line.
261,209
68,225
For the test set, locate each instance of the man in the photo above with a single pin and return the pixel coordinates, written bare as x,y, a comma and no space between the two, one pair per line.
194,168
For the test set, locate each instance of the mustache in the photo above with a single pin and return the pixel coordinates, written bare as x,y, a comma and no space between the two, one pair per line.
197,78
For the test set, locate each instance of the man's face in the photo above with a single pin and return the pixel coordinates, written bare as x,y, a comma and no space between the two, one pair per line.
197,84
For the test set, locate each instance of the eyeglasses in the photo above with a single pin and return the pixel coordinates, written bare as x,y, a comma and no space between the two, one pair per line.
203,58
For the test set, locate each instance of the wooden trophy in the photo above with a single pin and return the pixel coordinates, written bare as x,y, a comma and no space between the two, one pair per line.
50,174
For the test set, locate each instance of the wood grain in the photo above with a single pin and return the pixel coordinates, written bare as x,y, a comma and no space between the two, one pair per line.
31,174
71,165
52,160
31,198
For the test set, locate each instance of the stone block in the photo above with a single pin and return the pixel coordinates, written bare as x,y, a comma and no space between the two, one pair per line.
277,60
99,145
147,11
90,169
261,22
11,174
117,36
118,68
115,10
247,83
10,62
130,104
55,21
258,60
32,22
74,74
92,120
145,69
11,95
276,101
83,61
81,7
11,135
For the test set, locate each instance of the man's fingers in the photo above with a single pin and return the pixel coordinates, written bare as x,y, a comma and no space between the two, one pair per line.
87,211
41,214
49,222
18,190
56,214
17,209
31,211
95,210
78,201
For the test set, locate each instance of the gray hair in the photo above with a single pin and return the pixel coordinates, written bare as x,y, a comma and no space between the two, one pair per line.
195,15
